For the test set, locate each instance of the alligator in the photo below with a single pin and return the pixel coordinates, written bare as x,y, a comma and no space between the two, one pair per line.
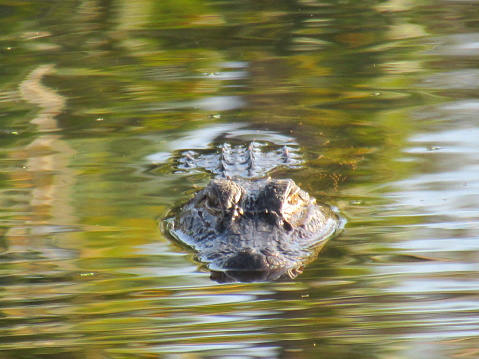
245,227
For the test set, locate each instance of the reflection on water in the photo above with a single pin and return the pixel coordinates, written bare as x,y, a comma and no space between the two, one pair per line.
380,98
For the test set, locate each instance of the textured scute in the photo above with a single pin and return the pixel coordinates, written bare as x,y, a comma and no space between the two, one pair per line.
252,161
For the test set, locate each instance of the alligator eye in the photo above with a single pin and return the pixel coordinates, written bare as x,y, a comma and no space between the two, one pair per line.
213,205
294,206
293,199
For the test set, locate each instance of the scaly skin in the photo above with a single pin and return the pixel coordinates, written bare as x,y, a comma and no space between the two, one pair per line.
251,230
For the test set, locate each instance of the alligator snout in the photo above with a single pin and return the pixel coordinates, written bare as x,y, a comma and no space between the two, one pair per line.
249,259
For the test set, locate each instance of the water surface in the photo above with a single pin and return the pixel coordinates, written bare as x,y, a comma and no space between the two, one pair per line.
100,98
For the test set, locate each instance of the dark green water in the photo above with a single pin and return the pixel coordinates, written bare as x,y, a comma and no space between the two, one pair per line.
97,99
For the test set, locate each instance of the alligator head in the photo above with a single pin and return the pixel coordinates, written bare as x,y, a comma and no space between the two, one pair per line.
252,230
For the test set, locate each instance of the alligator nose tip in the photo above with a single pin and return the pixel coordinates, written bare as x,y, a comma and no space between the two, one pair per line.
247,259
247,250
